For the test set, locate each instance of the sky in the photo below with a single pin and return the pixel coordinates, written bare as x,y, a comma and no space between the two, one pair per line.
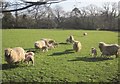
68,5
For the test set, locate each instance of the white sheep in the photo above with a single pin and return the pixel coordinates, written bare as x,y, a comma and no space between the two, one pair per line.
29,56
50,43
77,46
14,55
39,44
108,49
45,44
70,39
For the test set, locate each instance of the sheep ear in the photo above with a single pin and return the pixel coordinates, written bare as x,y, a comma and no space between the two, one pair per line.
5,49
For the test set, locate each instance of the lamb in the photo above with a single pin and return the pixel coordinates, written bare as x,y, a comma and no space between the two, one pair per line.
70,39
109,49
14,55
93,52
77,46
29,56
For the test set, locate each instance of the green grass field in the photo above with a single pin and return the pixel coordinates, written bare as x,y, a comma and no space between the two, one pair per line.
56,65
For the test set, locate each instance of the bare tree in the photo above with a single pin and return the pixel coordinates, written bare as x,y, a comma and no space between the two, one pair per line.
26,4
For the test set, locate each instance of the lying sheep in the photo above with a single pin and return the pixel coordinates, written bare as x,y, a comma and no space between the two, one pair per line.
14,55
70,39
85,34
29,56
108,49
77,46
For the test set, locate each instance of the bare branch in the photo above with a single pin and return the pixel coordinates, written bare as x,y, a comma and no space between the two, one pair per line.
32,4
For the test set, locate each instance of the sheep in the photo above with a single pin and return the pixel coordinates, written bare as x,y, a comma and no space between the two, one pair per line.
108,49
50,43
85,34
45,44
14,55
77,46
93,52
70,39
39,44
29,56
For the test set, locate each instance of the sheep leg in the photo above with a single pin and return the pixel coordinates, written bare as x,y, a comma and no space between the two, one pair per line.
117,55
33,62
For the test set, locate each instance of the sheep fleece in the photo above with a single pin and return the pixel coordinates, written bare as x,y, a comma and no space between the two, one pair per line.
77,46
108,49
13,55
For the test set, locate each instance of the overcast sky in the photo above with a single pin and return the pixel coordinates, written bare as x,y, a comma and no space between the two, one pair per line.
68,5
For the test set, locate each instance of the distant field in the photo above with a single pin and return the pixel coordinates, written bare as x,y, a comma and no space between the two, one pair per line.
56,65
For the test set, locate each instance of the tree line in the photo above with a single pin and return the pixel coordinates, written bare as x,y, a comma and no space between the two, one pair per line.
90,17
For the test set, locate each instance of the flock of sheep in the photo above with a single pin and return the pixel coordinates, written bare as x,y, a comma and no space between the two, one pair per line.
18,54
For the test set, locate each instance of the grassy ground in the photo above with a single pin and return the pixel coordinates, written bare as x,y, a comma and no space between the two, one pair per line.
58,65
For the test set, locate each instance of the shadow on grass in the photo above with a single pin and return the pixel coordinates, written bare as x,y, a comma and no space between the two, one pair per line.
69,51
32,50
90,59
7,66
63,43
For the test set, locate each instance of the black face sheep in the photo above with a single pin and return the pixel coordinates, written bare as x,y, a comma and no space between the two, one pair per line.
85,34
14,55
77,46
108,49
29,56
70,39
93,52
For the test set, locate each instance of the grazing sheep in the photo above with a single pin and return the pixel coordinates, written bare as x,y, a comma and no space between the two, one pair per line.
85,34
14,55
93,52
50,43
70,39
29,56
77,46
109,49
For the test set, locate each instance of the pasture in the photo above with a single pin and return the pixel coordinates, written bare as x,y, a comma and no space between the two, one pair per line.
60,64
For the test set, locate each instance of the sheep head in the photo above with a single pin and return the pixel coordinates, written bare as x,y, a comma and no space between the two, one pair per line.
8,52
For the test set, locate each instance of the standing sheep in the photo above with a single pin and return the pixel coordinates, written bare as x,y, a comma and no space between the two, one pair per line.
109,49
93,52
45,44
50,43
39,44
70,39
14,55
77,46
